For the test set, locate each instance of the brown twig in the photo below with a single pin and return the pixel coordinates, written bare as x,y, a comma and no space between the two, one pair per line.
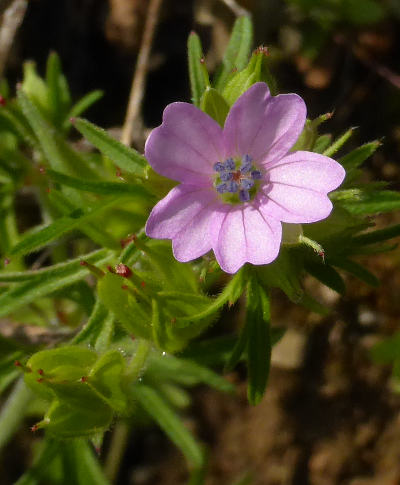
237,9
139,78
12,18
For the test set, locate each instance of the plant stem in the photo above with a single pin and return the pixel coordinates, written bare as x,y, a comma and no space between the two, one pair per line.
13,411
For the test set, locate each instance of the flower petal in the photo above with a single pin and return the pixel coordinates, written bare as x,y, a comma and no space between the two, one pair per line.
297,187
242,234
186,145
264,126
184,216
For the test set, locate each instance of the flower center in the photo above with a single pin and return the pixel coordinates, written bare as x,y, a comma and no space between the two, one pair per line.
236,179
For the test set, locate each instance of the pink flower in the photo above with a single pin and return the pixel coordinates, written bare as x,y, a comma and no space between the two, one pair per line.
237,184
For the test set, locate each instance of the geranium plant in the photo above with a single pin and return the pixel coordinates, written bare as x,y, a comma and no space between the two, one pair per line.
249,193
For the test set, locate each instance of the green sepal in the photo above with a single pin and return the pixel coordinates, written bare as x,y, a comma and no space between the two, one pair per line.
256,71
57,365
214,104
63,421
309,135
106,378
130,311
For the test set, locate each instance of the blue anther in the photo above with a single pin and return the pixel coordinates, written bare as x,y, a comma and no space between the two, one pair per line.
225,176
229,164
247,184
219,167
256,175
232,187
246,159
221,188
244,195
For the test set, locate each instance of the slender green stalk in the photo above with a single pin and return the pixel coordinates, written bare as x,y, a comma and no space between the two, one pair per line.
13,411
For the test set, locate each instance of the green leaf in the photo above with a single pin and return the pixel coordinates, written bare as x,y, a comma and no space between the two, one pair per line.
363,12
136,192
169,422
230,293
95,329
238,350
54,271
82,105
377,236
48,451
238,51
124,157
388,350
48,281
258,341
214,105
327,275
13,411
44,235
35,87
59,97
356,157
197,71
80,465
357,270
373,202
93,230
56,150
185,371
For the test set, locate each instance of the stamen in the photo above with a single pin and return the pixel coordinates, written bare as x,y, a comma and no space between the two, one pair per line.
229,164
256,175
232,187
219,167
221,188
246,164
244,195
247,184
225,176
